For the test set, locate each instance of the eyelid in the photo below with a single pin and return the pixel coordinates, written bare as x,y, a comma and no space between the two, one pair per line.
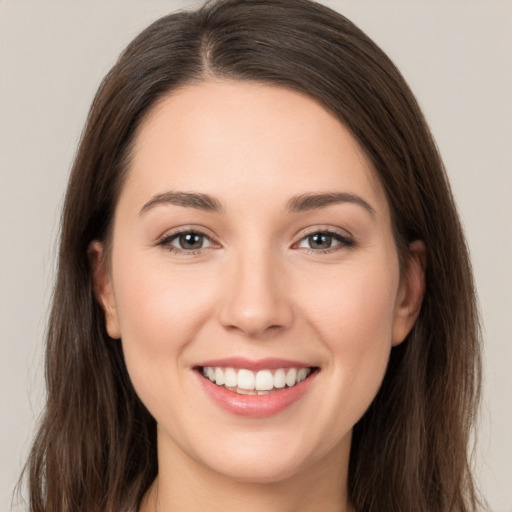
321,228
165,239
345,239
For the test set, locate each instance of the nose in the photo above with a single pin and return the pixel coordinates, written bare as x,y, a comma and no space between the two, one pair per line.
256,300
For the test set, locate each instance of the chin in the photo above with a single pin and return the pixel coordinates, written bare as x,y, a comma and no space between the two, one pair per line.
266,457
269,471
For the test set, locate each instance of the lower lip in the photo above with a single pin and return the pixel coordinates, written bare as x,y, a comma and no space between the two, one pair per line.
256,406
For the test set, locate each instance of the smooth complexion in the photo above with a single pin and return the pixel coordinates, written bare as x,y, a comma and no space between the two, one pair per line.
262,276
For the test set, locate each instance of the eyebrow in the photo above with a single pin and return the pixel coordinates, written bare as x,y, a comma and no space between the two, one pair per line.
185,199
299,203
313,201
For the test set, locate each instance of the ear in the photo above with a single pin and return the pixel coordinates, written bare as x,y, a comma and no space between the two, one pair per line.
410,292
103,290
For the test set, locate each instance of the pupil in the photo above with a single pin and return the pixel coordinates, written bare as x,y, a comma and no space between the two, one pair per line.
191,241
320,241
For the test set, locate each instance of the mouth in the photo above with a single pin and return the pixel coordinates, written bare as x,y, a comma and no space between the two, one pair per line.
255,388
244,381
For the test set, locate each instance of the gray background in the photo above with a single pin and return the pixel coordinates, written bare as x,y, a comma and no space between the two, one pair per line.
457,57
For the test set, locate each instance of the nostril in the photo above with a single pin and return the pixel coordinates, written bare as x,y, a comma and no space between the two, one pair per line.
255,305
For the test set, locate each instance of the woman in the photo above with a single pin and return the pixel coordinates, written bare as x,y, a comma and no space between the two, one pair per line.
264,299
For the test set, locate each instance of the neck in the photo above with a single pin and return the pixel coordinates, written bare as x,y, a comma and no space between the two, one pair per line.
186,485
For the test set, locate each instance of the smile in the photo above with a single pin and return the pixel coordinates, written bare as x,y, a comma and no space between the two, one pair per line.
255,388
247,382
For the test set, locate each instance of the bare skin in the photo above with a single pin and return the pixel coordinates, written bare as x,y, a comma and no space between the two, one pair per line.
255,272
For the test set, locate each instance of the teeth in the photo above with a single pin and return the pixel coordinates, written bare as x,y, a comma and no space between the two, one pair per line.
230,378
263,382
280,379
245,379
291,377
219,376
302,374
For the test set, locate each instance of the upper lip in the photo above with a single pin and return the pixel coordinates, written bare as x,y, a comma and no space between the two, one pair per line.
253,364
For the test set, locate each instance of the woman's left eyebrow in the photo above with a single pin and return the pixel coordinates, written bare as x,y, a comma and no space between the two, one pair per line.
312,201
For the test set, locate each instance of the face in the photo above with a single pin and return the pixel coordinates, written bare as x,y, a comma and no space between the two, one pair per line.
254,280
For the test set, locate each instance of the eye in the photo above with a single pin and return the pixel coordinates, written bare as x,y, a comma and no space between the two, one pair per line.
186,241
325,241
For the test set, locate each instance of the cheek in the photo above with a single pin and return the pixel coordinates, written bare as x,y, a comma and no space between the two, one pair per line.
160,312
156,302
353,315
355,299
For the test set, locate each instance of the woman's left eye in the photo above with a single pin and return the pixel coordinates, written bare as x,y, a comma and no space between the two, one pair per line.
186,241
323,241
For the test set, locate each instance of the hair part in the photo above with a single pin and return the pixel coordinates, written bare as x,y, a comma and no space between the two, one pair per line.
96,446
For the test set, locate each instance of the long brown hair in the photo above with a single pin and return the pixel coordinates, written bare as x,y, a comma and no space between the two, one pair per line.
96,446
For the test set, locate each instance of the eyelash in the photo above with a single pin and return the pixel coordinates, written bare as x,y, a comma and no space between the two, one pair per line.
345,242
166,242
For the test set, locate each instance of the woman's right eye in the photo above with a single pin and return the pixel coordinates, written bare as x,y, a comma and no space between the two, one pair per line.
186,241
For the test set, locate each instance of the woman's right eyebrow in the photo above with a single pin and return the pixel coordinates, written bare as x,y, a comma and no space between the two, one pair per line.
186,199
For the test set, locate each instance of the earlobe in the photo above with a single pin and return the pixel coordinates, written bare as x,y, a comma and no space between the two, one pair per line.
103,290
411,292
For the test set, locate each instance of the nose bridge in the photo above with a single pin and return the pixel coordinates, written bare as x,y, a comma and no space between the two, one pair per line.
254,296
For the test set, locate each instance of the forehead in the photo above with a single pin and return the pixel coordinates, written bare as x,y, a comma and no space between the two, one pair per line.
247,140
